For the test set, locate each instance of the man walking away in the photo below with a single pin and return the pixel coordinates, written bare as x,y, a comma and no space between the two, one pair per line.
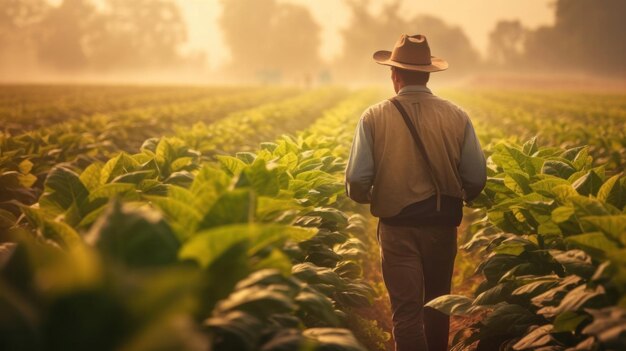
414,159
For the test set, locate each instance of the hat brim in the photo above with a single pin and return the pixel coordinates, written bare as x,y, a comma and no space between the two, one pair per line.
437,64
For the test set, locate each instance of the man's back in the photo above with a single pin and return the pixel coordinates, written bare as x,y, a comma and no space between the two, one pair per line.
400,173
401,176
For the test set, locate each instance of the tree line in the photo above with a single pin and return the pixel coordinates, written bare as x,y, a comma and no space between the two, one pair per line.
273,41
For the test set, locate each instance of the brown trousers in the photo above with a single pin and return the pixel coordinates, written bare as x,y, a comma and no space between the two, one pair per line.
417,265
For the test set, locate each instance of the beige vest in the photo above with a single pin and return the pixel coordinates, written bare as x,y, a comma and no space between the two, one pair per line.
401,177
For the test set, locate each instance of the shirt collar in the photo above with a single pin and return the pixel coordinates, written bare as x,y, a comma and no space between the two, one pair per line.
414,89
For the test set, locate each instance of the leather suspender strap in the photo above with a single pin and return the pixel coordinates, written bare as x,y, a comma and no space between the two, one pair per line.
420,147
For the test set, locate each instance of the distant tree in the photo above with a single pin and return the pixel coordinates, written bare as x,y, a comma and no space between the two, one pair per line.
270,41
64,33
587,35
18,19
506,42
448,42
138,34
368,32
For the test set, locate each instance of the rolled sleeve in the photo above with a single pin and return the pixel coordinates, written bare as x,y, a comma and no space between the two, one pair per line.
473,167
360,168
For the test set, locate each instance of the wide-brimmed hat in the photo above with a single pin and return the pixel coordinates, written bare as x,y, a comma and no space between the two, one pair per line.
411,53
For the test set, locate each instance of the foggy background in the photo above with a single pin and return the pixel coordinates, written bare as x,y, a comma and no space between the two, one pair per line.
271,41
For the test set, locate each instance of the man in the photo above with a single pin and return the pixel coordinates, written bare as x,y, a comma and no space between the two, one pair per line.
414,159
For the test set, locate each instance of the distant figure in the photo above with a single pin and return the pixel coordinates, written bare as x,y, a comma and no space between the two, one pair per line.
414,159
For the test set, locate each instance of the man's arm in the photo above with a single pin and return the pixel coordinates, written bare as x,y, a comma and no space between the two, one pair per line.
473,167
360,169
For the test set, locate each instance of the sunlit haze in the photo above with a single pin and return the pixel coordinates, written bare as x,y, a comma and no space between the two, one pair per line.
475,17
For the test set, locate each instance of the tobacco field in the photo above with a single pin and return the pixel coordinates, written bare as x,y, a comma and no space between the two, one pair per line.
215,218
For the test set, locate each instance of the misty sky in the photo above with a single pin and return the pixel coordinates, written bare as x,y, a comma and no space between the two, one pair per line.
476,17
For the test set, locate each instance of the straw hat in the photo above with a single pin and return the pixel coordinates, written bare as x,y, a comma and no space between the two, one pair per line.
411,53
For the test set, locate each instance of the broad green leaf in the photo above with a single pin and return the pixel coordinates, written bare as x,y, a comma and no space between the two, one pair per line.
289,161
63,188
261,177
231,164
546,186
180,163
58,232
530,147
257,301
513,248
91,176
110,190
589,184
209,245
562,214
137,237
564,193
611,192
236,206
518,182
613,225
164,152
182,215
120,164
451,304
595,243
247,157
558,168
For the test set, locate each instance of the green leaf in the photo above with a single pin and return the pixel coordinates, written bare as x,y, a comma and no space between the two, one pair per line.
452,305
546,186
595,243
613,225
247,157
257,301
562,214
513,248
91,176
110,190
514,160
518,182
568,321
120,164
530,147
261,177
611,192
137,237
231,164
62,189
57,231
589,184
558,168
209,245
236,206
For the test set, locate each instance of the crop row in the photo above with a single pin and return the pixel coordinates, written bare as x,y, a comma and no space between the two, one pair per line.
165,248
25,160
564,120
551,231
32,107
